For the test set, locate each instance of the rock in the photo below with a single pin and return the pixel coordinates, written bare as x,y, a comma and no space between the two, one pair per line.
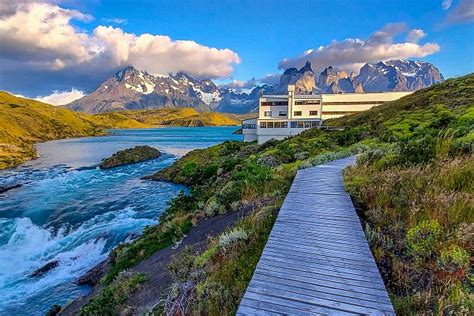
54,310
45,269
9,187
93,276
129,156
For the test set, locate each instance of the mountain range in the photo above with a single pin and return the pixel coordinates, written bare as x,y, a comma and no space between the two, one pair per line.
134,89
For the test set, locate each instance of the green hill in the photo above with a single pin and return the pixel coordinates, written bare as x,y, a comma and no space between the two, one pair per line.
24,122
180,117
413,185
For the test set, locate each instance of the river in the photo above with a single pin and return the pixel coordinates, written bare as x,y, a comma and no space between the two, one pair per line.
68,210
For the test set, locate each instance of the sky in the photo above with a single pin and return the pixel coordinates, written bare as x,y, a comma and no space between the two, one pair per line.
59,50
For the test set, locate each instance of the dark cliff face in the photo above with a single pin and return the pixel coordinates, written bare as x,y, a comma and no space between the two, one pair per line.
398,75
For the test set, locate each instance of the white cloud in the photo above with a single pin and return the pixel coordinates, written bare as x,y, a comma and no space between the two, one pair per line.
39,35
239,84
61,97
446,4
271,79
462,13
351,53
415,35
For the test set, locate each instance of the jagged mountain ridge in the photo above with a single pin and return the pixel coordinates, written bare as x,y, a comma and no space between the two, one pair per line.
394,75
133,89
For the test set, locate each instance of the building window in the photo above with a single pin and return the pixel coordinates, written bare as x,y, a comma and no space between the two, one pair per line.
314,123
249,126
280,103
307,102
267,113
313,113
300,125
266,103
263,124
297,113
282,113
269,124
292,124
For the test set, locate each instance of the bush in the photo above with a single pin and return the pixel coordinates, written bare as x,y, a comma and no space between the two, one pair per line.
228,238
422,239
453,259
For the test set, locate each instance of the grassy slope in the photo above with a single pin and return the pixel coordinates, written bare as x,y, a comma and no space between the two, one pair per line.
412,184
24,122
181,117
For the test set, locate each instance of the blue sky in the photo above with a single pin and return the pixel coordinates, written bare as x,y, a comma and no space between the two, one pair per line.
259,35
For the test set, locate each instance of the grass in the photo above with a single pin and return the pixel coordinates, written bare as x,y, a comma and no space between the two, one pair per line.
111,299
412,184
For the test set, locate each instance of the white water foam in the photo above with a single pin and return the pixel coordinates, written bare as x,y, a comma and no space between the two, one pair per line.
30,247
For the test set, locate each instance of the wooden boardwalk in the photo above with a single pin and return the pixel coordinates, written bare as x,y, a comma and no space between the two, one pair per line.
317,260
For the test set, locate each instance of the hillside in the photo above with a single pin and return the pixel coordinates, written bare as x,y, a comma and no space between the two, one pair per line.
24,122
413,186
179,117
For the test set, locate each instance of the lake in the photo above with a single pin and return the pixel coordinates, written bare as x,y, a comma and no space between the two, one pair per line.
70,211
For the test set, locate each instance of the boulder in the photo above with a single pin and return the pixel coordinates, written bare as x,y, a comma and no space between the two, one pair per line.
93,276
45,269
129,156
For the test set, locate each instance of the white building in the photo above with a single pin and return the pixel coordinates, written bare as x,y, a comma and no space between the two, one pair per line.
280,116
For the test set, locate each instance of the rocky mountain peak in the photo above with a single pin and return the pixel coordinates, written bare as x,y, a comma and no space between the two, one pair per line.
305,68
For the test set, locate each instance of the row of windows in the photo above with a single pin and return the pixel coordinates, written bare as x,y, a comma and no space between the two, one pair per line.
249,126
293,124
308,102
284,113
312,102
273,124
270,103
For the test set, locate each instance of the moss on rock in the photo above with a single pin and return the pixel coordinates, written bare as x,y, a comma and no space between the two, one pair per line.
130,155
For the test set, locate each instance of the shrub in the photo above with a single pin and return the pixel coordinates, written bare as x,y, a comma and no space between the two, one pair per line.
421,239
227,239
453,259
110,298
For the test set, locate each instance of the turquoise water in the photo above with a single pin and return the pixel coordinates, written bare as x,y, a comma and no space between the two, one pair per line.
69,210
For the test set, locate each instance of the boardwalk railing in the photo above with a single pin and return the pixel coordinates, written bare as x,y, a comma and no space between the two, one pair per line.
317,260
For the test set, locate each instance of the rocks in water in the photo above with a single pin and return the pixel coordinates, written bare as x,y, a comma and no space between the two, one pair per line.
54,310
9,187
129,156
45,269
93,276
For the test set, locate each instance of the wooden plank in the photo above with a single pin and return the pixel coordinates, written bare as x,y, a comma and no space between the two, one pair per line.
317,259
346,297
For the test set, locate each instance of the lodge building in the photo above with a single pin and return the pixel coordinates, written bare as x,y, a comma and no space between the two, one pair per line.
280,116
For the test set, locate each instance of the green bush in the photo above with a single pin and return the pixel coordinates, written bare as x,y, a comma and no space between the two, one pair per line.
453,259
422,239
